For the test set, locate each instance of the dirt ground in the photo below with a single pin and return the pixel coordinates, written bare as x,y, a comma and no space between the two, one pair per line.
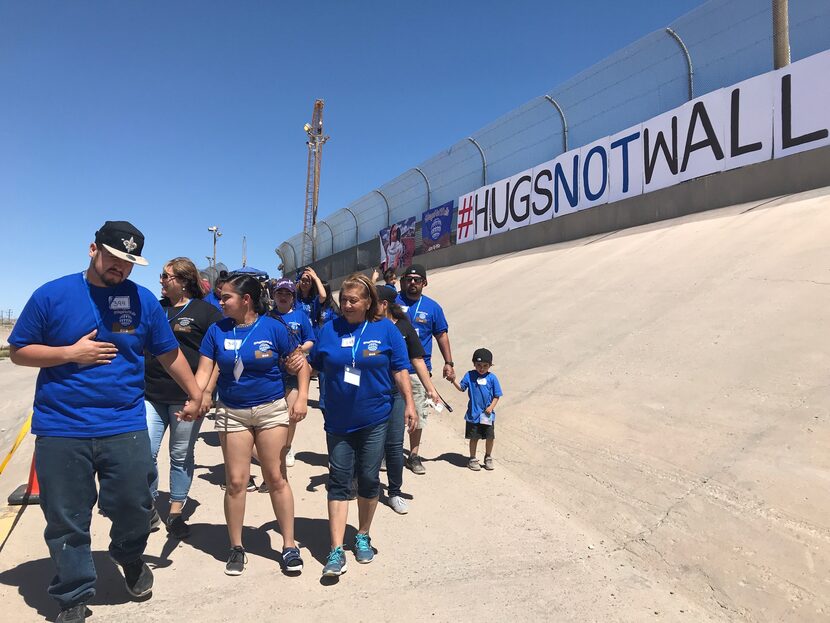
662,451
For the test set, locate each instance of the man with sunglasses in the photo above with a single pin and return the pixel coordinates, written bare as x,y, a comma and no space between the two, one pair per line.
428,319
88,332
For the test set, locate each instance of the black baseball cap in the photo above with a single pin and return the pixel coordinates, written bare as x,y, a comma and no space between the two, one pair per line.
415,269
123,240
482,355
385,293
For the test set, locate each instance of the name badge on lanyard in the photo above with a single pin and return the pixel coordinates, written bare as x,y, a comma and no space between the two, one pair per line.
238,367
351,375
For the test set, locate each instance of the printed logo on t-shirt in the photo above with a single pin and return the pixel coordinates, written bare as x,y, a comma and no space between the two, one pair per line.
372,345
119,303
295,327
125,320
185,321
421,317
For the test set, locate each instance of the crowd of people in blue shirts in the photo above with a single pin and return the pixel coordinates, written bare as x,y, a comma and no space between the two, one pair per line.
120,369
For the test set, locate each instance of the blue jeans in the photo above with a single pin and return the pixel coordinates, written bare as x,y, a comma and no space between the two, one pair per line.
183,436
356,455
321,380
66,470
394,447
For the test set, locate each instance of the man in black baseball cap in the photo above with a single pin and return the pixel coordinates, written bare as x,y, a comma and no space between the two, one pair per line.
123,240
428,319
88,332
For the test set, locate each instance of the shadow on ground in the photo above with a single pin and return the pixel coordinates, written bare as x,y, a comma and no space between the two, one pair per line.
453,458
32,579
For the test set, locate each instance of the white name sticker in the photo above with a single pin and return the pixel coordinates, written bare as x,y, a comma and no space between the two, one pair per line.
481,381
351,376
347,342
119,303
232,344
405,308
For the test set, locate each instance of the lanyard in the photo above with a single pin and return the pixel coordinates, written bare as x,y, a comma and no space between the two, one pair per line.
356,344
414,314
181,311
237,348
99,322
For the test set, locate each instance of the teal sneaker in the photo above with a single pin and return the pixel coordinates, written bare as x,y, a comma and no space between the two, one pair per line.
336,563
363,552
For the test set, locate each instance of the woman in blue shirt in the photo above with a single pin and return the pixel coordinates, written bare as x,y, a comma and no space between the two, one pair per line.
302,336
363,360
247,346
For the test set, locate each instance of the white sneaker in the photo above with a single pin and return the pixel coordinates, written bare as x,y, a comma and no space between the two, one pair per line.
399,505
289,458
383,465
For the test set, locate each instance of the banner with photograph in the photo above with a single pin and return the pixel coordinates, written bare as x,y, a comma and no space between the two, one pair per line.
397,244
436,224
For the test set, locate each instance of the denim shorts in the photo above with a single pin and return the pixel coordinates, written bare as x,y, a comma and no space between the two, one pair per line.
356,455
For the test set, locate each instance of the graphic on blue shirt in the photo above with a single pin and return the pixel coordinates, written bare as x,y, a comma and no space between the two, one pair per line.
428,319
260,348
73,400
299,329
480,395
378,351
310,307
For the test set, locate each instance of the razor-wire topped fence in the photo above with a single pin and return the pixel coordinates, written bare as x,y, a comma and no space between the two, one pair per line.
720,43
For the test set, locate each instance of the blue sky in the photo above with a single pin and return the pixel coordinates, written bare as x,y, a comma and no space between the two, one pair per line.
180,115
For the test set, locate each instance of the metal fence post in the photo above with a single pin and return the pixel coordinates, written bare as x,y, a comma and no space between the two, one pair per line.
331,236
429,190
356,237
388,207
483,159
780,33
564,122
688,56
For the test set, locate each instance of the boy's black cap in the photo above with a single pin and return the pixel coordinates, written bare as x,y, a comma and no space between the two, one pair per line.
415,269
482,355
385,293
123,240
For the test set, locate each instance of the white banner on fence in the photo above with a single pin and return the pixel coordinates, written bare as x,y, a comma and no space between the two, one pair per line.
772,115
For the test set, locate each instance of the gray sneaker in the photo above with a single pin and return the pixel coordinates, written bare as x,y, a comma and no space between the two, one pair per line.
414,463
473,464
488,463
399,505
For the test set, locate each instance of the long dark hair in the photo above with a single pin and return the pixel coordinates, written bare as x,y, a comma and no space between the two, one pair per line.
246,284
329,303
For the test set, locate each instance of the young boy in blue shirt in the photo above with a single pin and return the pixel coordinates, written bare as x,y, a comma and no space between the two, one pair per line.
484,391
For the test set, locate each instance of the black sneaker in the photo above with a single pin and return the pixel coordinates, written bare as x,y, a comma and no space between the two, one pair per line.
155,520
236,561
138,578
252,485
176,527
414,463
75,614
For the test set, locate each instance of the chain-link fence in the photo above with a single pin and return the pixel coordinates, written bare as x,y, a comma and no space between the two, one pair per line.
720,43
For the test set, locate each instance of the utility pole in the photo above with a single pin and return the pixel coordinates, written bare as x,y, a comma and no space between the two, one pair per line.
315,142
216,234
780,33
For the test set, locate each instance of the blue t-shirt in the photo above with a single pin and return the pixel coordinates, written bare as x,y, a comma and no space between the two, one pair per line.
379,350
481,390
428,319
327,314
83,401
260,347
299,330
310,307
211,298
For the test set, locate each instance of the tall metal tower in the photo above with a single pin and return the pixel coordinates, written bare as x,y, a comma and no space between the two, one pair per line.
315,142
